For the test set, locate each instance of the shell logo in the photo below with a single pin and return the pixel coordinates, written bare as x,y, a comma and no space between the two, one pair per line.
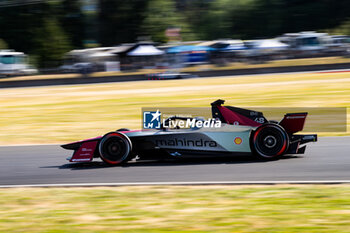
238,140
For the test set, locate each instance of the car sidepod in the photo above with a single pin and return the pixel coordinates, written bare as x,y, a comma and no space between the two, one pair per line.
186,143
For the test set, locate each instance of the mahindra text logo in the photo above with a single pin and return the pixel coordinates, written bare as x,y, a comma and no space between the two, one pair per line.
177,142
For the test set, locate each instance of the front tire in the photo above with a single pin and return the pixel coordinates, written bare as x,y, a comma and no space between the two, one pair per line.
269,141
123,129
115,148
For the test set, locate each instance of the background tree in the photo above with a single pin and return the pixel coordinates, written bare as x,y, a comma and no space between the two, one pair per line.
17,25
249,19
23,26
343,29
72,20
3,44
268,18
51,44
162,14
119,21
36,30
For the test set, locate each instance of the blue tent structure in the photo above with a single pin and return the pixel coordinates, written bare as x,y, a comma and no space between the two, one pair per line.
192,53
189,48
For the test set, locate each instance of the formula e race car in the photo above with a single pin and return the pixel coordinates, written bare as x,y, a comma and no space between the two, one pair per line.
170,75
241,132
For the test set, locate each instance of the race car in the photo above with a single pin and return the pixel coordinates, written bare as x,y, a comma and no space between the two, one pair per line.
170,75
241,132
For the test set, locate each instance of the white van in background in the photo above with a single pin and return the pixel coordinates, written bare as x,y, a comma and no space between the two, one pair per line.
14,63
90,60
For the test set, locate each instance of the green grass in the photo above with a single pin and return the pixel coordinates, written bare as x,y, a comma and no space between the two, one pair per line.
59,114
280,208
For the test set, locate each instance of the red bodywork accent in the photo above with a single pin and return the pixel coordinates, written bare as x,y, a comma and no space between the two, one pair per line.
87,148
256,133
293,122
236,118
85,152
283,148
131,131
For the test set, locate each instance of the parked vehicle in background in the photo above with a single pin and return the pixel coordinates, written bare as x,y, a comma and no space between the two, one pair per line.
338,44
15,63
264,50
225,50
170,74
305,44
88,60
131,56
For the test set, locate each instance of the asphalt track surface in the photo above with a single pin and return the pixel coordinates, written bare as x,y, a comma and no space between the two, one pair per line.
328,160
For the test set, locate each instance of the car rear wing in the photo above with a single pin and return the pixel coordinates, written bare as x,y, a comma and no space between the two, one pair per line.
293,122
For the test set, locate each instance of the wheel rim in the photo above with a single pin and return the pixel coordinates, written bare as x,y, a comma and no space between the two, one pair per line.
270,141
114,148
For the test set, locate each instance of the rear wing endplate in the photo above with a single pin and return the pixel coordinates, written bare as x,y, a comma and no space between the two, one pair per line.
293,122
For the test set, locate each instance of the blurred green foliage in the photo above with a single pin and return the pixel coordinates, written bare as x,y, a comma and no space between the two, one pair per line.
249,19
119,21
343,29
3,44
51,43
45,30
161,15
113,22
212,19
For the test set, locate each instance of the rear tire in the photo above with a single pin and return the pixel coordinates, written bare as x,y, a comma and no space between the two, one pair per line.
269,141
115,148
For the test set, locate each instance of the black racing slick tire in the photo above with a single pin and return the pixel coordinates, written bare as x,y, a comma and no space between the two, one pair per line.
269,141
115,148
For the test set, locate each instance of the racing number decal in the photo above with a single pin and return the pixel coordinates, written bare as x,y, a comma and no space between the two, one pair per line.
260,120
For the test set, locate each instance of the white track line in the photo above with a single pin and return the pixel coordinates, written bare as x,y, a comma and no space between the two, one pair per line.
181,183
